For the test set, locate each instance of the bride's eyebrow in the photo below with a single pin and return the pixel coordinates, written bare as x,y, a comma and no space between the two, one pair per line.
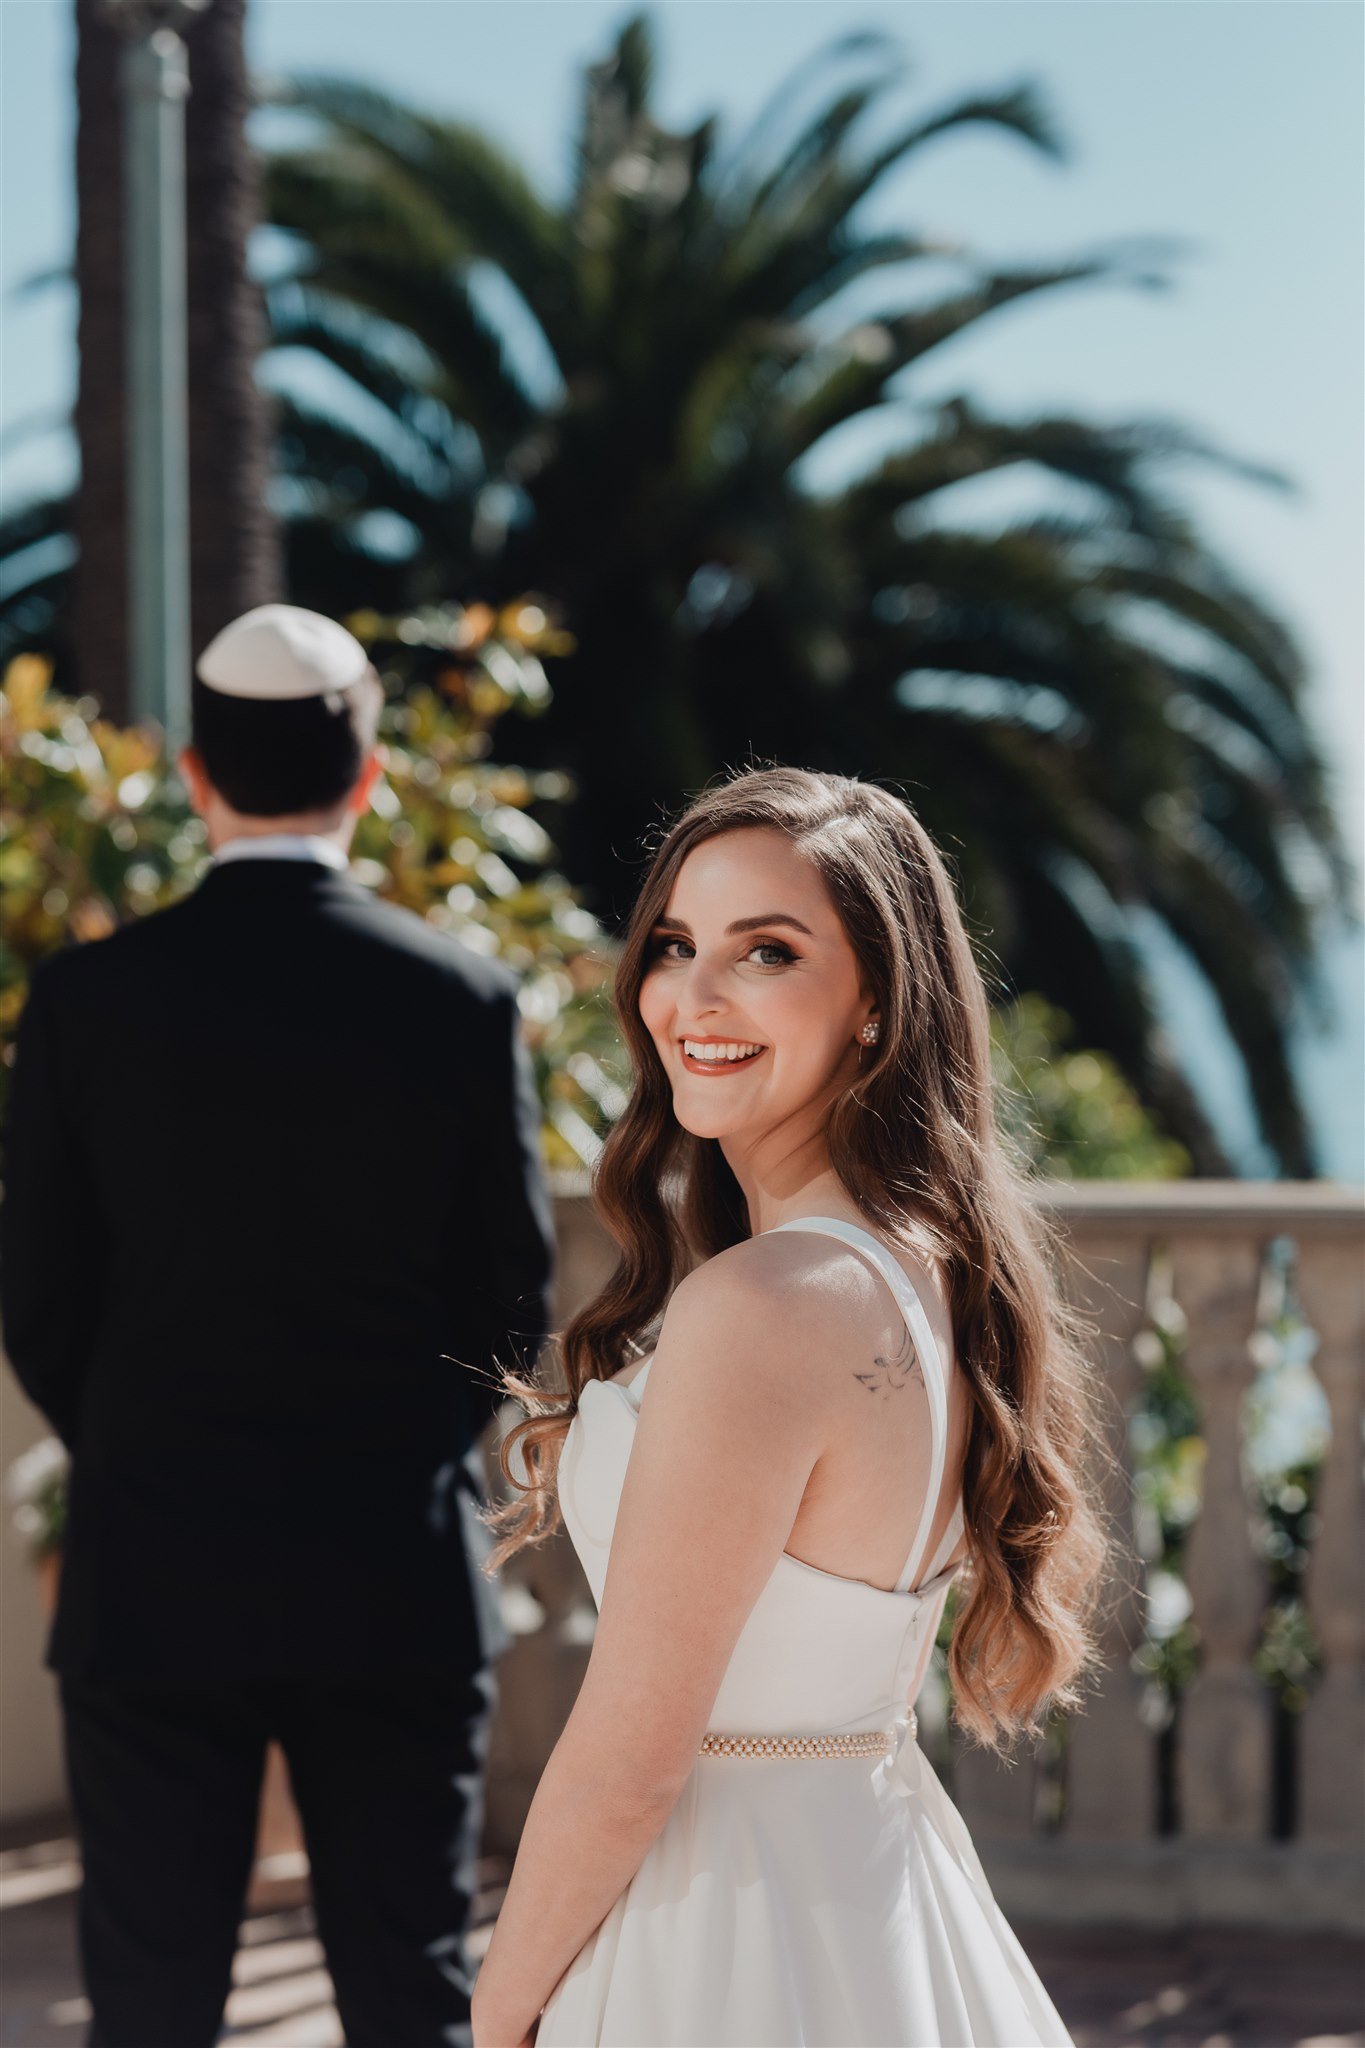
741,924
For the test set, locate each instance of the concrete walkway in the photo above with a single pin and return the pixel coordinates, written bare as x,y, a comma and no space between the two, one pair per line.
1119,1988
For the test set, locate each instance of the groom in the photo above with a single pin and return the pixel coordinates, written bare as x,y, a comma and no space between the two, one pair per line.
273,1205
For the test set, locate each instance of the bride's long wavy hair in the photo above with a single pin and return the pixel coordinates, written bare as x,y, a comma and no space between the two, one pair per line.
914,1136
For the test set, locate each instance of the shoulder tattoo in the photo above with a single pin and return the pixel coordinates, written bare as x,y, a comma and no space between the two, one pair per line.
887,1376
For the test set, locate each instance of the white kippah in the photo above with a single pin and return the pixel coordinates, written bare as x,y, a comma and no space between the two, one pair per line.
280,651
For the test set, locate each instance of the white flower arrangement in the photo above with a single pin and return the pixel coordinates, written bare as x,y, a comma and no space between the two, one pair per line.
35,1484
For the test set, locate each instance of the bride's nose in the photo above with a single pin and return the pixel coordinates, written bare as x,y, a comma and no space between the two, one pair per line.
702,995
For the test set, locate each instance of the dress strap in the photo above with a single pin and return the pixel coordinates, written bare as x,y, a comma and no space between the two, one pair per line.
952,1536
935,1378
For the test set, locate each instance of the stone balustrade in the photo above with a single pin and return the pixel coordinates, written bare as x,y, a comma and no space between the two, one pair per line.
1086,1845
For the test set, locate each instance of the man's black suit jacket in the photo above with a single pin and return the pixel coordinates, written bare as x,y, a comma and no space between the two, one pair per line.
273,1203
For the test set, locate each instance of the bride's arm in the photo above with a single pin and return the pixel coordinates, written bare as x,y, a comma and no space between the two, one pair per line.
730,1429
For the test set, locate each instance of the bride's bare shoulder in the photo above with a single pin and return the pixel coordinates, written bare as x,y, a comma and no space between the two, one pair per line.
777,1300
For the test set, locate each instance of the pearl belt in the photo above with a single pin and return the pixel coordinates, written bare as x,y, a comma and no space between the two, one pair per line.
868,1742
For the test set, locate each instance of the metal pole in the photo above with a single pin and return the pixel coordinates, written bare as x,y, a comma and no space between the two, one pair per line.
156,83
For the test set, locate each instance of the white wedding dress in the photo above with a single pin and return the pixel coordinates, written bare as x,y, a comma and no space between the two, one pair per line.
830,1902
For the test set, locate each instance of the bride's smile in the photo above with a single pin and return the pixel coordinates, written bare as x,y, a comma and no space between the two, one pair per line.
718,1055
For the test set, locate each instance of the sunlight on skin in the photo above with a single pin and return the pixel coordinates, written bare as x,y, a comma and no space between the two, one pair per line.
797,992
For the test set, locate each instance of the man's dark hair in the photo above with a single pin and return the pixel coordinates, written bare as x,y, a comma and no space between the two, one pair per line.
274,759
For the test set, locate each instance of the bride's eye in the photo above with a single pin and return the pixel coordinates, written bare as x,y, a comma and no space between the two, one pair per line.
784,953
661,944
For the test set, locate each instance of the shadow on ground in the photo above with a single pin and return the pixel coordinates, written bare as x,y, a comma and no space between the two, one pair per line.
1115,1987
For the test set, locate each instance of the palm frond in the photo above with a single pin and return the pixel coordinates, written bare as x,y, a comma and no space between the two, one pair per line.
755,143
815,152
1022,111
860,378
34,613
34,521
1224,610
348,473
477,185
1193,891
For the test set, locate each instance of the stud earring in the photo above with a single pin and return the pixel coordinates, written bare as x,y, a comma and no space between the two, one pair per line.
870,1032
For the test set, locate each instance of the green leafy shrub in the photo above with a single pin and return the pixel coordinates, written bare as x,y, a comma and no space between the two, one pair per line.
1069,1112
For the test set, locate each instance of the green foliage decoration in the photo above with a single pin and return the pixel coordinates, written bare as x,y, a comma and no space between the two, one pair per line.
94,827
1287,1434
1070,1112
1169,1454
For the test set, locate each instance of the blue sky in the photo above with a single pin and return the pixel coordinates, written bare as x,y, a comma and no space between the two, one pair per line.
1231,126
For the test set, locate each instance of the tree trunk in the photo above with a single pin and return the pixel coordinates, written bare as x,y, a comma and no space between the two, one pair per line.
235,559
234,545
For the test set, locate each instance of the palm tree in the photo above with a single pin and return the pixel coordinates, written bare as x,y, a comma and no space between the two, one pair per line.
75,603
1086,707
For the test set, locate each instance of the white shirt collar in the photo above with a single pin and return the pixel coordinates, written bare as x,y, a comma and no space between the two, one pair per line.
284,846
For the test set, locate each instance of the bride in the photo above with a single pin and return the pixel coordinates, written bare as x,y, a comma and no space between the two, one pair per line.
866,1387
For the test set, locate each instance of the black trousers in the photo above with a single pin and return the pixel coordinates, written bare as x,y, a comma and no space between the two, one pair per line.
388,1779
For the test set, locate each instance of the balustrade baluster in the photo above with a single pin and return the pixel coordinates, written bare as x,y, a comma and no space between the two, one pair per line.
1224,1739
1332,1743
997,1799
1111,1755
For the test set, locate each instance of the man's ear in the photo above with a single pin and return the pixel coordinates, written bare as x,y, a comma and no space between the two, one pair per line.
359,799
190,763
